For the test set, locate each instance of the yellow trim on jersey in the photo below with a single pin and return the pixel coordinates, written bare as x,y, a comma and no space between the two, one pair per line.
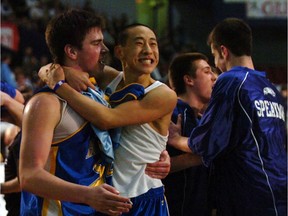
62,140
127,87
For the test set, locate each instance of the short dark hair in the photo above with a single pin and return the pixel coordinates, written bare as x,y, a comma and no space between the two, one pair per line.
70,27
181,65
123,34
233,33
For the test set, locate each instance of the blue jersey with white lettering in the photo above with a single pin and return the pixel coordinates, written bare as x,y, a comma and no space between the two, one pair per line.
243,136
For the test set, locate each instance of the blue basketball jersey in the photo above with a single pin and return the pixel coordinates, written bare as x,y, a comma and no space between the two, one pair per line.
74,157
243,136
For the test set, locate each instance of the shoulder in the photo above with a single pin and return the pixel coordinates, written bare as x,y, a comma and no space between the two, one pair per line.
167,90
163,95
43,102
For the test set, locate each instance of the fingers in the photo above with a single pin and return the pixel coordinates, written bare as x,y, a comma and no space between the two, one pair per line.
161,168
117,208
111,189
92,82
117,211
43,71
158,170
78,80
164,156
158,174
179,119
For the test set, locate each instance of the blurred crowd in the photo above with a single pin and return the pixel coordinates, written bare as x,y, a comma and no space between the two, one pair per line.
31,18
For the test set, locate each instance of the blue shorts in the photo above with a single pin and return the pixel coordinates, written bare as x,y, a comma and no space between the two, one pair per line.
151,203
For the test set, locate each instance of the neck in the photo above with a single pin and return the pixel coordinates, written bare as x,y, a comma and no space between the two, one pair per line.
144,79
243,61
193,102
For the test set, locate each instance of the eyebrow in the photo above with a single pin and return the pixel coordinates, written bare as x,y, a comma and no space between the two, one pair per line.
97,40
142,38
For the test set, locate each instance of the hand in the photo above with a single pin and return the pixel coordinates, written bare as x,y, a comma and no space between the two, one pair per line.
175,139
79,80
175,131
161,168
106,199
51,74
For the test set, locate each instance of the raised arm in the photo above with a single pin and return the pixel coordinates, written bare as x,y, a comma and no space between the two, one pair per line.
153,106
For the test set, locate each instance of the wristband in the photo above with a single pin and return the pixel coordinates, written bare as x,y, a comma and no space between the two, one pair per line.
58,84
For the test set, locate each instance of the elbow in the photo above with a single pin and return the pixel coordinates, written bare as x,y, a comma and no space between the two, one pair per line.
24,180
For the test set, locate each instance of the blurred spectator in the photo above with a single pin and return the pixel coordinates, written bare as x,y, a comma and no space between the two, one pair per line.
7,75
6,9
24,83
30,63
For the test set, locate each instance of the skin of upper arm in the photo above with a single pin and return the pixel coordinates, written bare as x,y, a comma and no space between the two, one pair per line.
158,105
41,115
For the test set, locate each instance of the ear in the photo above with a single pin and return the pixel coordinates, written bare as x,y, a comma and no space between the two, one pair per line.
70,51
188,80
118,52
224,51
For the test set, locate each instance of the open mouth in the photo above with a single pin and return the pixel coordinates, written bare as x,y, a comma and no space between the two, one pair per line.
146,61
102,61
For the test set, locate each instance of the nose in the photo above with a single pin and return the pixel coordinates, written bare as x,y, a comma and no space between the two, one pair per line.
213,76
104,49
147,48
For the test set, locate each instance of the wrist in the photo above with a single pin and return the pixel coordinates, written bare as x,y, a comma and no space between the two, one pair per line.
58,85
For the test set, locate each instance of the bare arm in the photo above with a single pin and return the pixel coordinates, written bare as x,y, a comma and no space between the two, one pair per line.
184,161
153,106
34,153
14,108
78,81
11,186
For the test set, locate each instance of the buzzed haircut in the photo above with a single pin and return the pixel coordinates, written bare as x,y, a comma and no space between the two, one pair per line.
181,65
123,34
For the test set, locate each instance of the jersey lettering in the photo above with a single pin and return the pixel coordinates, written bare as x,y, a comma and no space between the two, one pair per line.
269,109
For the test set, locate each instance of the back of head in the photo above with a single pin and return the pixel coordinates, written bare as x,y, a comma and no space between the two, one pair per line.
233,33
70,27
124,33
181,65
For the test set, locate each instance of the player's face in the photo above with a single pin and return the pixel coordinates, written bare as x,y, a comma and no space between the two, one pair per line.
140,54
219,60
91,56
204,81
